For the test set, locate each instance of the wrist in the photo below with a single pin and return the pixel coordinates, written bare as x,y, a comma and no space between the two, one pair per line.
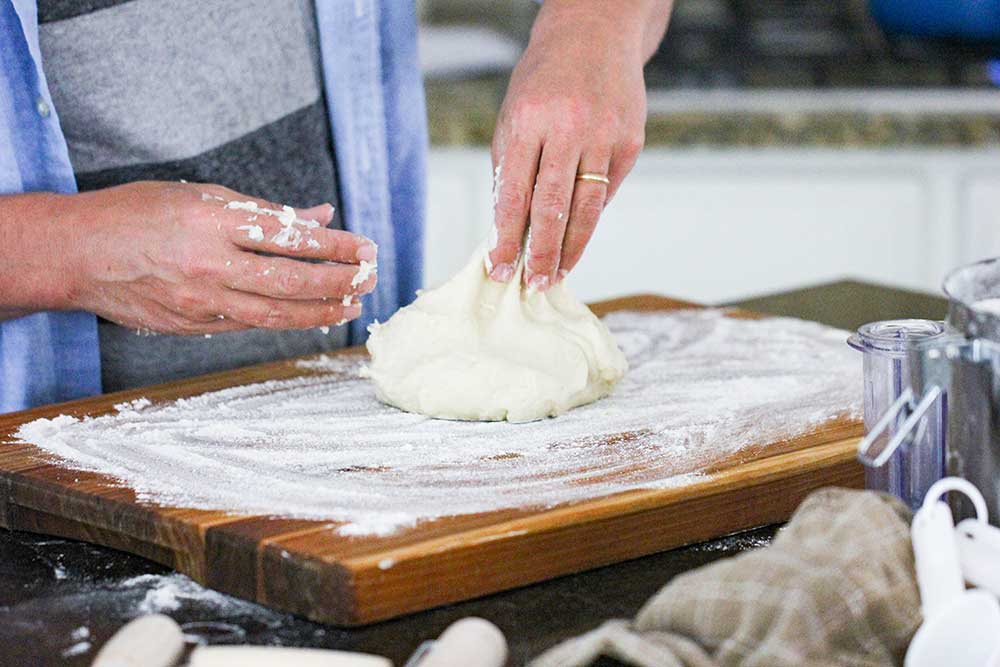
623,22
37,243
634,26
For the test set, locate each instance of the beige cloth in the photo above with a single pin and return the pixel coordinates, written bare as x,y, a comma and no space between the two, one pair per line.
835,588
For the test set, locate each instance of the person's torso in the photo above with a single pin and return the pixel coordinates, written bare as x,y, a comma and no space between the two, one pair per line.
226,92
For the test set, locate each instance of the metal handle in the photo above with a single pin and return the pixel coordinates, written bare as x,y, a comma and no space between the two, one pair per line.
902,405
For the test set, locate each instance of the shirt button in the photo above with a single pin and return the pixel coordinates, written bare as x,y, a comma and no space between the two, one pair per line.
42,107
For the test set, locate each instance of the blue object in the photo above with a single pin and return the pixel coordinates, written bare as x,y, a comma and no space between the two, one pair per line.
375,101
977,20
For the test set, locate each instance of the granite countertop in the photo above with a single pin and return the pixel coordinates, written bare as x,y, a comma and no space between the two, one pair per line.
773,73
463,113
61,599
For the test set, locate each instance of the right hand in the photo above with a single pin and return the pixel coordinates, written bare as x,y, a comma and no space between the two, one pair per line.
170,257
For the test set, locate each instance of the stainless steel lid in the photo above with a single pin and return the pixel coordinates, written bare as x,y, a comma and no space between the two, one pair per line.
970,291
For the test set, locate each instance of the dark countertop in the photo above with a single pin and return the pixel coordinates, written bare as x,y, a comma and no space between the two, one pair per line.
50,588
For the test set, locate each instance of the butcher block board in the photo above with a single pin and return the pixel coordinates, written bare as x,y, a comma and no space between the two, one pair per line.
305,567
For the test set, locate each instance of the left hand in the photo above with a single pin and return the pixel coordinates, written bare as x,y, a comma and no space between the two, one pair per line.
576,103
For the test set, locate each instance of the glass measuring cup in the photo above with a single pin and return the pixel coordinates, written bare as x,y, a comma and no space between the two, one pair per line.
909,468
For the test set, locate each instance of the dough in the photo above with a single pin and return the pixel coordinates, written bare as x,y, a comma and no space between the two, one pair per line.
480,350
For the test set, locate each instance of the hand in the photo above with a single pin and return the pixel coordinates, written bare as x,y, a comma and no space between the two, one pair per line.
179,258
576,103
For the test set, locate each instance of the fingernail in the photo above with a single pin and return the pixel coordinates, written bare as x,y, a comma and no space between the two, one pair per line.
561,275
352,311
502,273
539,283
368,252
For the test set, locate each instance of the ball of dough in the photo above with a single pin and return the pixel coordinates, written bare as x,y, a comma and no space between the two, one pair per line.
479,350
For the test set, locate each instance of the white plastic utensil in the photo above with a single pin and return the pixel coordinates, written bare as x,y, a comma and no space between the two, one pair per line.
278,656
961,628
469,642
979,553
154,640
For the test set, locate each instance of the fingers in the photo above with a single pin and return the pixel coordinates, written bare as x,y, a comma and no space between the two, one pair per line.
263,226
282,278
550,212
589,200
515,177
267,234
267,313
228,310
286,231
622,161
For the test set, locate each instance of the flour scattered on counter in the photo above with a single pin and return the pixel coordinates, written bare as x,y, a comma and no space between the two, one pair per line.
701,387
165,593
81,642
79,648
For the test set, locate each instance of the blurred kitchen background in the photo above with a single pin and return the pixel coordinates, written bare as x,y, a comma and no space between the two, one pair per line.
789,143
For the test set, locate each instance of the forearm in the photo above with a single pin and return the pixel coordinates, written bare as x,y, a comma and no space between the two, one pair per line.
35,260
637,23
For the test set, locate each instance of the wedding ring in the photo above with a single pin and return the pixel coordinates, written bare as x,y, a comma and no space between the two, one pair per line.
591,176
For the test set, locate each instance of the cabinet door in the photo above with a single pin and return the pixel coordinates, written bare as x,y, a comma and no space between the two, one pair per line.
713,230
713,227
982,216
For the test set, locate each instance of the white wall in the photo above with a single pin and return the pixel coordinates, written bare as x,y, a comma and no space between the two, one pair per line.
713,226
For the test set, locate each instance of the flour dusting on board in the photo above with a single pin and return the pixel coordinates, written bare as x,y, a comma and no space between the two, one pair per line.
701,387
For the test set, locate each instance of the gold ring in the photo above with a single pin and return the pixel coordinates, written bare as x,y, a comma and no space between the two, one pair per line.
591,176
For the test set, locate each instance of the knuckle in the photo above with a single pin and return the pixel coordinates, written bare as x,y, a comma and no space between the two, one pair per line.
506,251
193,265
633,144
570,112
270,317
589,207
289,282
526,108
513,199
546,255
187,302
551,203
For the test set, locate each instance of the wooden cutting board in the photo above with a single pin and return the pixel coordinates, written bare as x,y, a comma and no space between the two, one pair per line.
305,567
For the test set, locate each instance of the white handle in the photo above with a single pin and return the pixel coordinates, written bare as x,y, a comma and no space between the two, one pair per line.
979,554
470,642
277,656
154,640
939,574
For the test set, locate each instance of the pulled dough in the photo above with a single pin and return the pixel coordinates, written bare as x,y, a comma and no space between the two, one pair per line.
475,349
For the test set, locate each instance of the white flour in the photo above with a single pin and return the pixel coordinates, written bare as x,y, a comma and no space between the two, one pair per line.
701,387
289,236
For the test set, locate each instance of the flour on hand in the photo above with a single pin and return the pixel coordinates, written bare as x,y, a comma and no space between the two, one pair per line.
475,349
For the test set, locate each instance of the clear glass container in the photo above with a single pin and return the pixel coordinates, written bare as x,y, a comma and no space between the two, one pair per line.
910,468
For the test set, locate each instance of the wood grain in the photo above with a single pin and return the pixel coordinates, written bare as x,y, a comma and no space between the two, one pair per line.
305,567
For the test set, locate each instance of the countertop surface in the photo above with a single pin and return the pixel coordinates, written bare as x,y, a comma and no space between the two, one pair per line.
463,113
60,599
759,74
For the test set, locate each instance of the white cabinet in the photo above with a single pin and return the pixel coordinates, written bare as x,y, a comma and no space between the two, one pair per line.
981,196
713,226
